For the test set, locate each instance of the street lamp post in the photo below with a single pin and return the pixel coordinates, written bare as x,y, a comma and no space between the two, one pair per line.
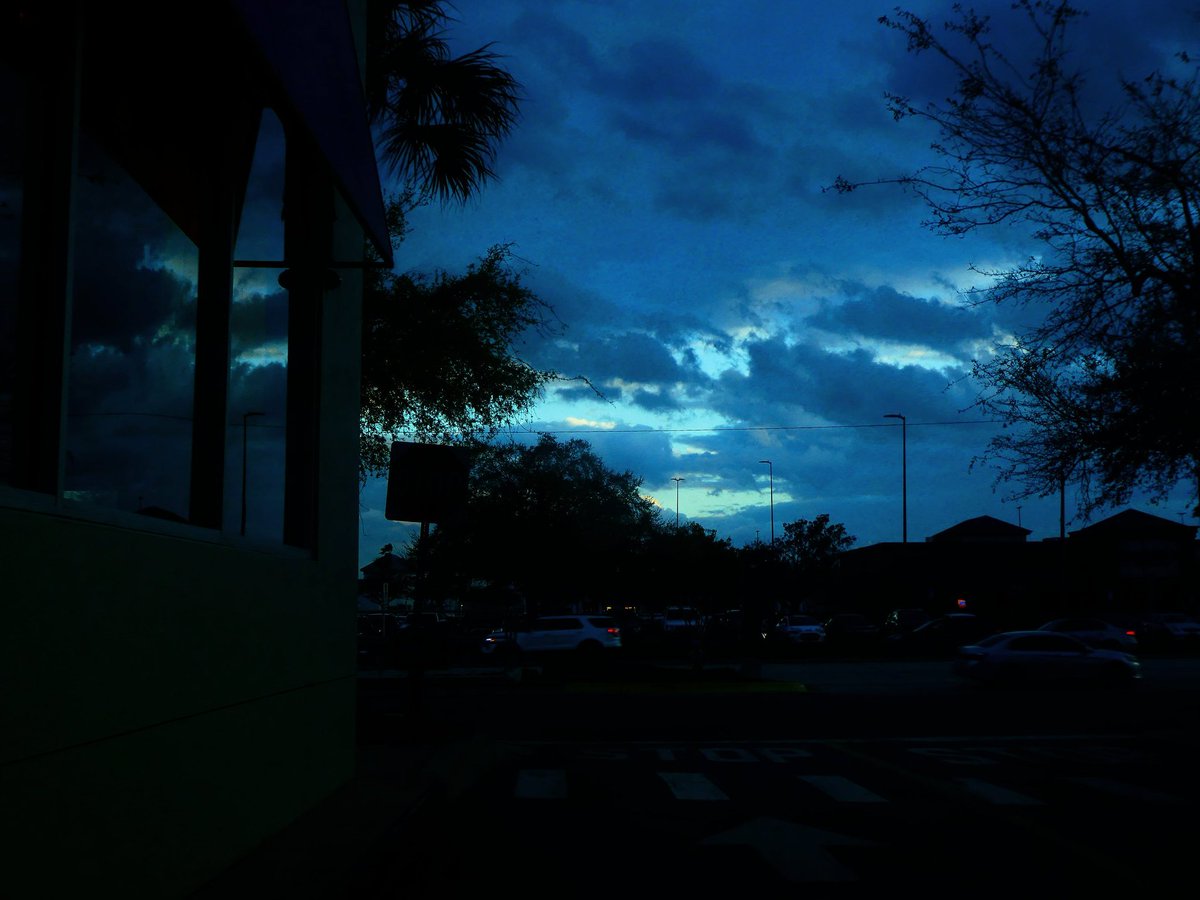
771,471
903,468
676,479
245,427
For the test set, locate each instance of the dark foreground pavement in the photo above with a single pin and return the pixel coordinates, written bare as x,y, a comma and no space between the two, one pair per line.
415,750
418,749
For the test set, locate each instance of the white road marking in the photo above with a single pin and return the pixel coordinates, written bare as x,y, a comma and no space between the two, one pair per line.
994,793
798,852
1130,791
691,786
842,789
541,784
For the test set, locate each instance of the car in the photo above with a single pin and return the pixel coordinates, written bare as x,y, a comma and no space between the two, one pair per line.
583,635
1175,627
850,629
1016,658
1095,632
799,629
678,619
940,636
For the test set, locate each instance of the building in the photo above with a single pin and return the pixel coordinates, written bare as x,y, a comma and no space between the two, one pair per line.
179,676
1130,562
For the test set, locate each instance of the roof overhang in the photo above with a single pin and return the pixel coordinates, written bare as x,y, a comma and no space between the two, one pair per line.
309,47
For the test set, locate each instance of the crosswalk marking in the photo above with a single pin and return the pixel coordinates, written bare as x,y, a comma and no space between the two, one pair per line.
1133,792
541,784
842,789
994,793
551,784
691,786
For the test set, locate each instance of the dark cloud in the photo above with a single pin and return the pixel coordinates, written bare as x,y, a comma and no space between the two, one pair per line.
576,307
129,425
656,401
120,302
653,71
628,356
258,388
554,45
688,133
257,320
888,314
844,387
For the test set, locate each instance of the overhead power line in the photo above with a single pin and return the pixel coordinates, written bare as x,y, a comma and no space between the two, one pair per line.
721,428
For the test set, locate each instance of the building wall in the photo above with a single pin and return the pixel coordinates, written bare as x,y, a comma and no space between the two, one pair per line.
174,694
178,700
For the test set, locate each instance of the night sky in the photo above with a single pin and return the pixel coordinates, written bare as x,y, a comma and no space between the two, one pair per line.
663,190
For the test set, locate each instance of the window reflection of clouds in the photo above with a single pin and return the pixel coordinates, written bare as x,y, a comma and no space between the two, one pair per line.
259,349
129,398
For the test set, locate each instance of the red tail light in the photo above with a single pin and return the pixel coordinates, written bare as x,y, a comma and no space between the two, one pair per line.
1131,632
614,631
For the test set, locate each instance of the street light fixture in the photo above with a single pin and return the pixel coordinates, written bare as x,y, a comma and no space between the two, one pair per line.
771,471
245,426
677,480
903,466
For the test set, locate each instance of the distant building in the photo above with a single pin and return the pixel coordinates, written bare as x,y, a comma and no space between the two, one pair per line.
1136,561
386,578
982,530
1129,562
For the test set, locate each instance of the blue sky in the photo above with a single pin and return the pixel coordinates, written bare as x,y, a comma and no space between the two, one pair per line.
663,190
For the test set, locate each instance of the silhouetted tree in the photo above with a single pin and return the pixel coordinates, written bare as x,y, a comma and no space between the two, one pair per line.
813,546
550,519
439,350
685,566
439,356
1100,391
440,117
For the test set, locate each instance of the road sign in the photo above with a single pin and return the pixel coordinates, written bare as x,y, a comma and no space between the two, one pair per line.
427,483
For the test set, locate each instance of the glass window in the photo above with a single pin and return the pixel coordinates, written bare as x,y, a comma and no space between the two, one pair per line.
12,114
132,349
258,351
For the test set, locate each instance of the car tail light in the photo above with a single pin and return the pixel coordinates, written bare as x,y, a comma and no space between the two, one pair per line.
1131,632
614,630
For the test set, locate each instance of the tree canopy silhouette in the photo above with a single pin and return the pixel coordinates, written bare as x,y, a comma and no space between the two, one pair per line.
550,519
1100,390
440,355
813,545
440,117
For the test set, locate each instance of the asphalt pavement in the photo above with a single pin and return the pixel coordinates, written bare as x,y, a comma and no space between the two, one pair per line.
410,757
414,753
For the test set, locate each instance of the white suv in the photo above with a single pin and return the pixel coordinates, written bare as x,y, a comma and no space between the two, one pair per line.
583,634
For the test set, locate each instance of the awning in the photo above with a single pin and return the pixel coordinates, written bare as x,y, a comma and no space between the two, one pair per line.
309,45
